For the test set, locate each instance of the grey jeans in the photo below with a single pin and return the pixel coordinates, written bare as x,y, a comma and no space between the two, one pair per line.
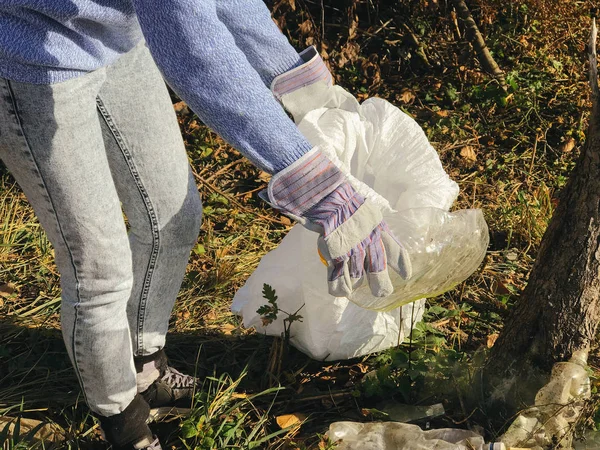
79,150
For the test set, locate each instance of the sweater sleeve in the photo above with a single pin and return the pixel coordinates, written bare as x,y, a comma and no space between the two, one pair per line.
257,35
200,60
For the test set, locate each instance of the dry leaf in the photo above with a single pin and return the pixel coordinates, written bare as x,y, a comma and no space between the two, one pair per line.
7,289
406,96
499,288
289,420
568,145
491,339
211,316
264,176
468,153
239,395
47,433
286,221
350,51
292,4
305,27
181,107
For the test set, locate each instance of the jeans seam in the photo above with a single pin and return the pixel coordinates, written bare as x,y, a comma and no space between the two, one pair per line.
44,186
151,217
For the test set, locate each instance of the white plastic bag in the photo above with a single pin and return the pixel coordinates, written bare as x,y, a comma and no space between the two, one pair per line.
332,328
393,163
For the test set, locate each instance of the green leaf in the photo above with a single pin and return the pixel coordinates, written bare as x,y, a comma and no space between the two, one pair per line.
269,294
189,430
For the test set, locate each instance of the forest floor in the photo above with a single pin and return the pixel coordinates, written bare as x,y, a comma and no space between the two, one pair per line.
510,152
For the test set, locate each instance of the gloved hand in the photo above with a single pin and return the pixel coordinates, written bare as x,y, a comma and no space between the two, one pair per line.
355,241
310,86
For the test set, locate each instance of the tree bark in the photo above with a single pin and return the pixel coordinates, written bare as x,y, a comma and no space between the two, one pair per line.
476,39
559,310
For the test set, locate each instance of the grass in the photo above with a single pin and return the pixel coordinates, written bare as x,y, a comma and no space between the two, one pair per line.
510,153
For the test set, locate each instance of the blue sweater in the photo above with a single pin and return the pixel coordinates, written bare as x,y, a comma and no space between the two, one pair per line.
218,55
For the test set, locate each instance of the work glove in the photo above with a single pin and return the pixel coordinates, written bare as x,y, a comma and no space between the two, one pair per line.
354,240
309,87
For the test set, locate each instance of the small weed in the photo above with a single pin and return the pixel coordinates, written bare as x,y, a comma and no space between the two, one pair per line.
225,418
269,312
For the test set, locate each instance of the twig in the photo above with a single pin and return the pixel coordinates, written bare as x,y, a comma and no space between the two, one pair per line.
535,144
376,32
329,395
232,199
594,63
322,25
420,48
224,168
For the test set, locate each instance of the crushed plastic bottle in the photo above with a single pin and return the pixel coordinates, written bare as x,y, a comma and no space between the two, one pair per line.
444,248
557,406
394,436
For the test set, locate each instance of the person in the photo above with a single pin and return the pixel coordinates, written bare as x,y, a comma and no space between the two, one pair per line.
88,131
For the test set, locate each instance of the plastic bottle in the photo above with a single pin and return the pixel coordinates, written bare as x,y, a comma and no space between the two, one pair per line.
557,406
558,400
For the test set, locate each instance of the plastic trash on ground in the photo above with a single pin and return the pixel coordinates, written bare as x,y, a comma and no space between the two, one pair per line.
394,436
399,412
392,163
557,406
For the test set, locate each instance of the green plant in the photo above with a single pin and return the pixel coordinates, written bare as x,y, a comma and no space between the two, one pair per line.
224,418
269,312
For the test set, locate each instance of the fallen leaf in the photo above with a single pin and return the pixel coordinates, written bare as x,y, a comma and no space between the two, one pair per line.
264,176
7,289
47,433
406,96
286,221
289,420
306,27
491,339
211,316
239,395
227,328
468,153
499,288
392,43
181,107
568,145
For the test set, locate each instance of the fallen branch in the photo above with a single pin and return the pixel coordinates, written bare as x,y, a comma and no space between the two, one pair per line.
476,39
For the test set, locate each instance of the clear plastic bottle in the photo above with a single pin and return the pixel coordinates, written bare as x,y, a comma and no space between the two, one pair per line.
444,248
557,406
558,401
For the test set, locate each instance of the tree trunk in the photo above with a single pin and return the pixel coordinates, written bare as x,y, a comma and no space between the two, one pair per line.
559,310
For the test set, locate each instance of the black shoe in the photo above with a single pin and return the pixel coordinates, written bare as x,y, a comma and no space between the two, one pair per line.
124,430
171,388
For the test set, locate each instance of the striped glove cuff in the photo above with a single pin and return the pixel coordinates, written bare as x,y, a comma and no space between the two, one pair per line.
306,182
313,70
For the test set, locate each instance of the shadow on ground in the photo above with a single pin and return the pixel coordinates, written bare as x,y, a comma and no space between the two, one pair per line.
38,382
